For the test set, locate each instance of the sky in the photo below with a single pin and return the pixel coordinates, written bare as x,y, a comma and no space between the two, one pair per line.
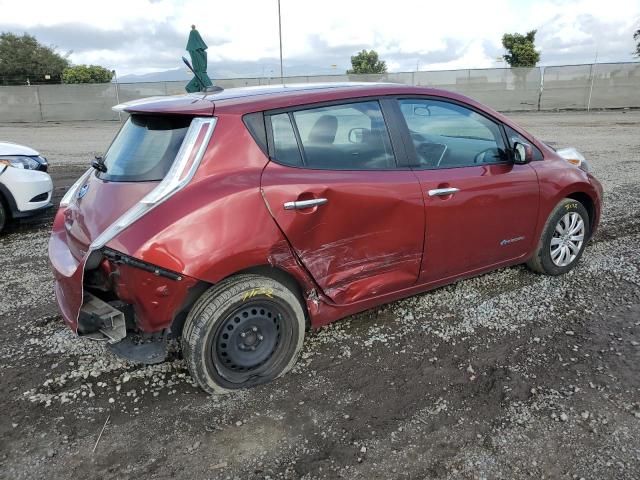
142,36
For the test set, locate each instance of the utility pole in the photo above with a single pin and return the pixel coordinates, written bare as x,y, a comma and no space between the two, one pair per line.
280,36
115,75
592,74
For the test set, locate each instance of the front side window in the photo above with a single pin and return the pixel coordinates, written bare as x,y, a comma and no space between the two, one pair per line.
339,137
447,135
145,148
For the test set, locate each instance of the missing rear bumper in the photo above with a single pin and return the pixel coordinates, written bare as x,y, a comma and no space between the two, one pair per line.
100,321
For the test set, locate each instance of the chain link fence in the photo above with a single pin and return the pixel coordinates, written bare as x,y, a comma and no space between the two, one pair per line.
580,87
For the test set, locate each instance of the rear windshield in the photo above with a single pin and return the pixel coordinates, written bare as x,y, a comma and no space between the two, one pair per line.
145,148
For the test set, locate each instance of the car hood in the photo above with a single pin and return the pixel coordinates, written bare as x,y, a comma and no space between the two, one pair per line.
7,148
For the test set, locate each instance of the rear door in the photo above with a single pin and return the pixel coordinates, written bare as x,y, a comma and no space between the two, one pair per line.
481,208
355,220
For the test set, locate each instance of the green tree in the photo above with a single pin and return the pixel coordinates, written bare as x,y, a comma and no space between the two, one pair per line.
521,50
24,60
86,74
367,62
636,37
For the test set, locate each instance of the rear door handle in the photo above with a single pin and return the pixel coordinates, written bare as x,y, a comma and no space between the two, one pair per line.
441,192
302,204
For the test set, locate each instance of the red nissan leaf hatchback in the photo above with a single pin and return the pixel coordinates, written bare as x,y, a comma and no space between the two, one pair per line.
236,220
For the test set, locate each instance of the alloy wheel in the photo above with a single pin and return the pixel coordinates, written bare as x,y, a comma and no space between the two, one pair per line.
567,239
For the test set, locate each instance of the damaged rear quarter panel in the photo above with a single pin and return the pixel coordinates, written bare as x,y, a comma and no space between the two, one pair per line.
218,225
155,299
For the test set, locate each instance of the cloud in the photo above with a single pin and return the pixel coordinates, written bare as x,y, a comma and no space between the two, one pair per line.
139,36
159,45
577,40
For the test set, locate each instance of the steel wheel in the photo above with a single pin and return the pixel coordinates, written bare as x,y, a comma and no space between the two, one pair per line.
242,332
247,339
567,239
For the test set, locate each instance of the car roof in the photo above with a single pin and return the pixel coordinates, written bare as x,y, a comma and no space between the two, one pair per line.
279,89
243,100
267,97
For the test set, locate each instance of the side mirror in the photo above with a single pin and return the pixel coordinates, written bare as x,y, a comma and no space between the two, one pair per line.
357,135
522,152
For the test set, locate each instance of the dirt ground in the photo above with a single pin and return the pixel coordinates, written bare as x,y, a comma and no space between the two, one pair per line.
510,375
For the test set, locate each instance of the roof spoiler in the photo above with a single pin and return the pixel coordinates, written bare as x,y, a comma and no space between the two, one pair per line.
121,107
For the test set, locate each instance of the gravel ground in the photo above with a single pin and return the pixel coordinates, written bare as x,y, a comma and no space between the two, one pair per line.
509,375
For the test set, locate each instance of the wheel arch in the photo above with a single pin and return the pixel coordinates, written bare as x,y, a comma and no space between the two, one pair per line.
283,276
273,272
588,203
8,202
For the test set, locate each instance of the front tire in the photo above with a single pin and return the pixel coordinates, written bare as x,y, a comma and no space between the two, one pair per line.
563,239
3,216
244,331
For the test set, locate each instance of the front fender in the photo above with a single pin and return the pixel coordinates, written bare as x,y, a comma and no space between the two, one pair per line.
559,180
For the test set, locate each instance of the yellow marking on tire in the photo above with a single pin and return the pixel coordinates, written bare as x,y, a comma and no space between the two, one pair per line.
268,292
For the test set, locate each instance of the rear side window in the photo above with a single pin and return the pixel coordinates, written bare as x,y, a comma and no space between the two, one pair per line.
145,148
349,136
516,137
448,135
286,148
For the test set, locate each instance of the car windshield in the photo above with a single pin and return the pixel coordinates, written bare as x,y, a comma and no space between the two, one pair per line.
145,148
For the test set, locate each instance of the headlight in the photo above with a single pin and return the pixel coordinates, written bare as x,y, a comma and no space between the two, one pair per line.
19,161
574,157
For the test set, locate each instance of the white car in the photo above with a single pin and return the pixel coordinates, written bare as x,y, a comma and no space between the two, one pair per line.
25,185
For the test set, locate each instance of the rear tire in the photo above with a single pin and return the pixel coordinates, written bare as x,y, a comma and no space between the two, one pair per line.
244,331
563,239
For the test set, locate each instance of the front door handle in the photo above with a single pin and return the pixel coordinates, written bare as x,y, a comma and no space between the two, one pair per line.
302,204
441,192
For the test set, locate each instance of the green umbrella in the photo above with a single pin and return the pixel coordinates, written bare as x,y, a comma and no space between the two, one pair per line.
198,51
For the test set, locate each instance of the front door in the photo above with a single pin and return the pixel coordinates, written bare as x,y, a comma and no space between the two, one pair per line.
480,207
355,221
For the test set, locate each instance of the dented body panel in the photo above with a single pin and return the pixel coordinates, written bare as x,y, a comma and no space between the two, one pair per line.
366,240
68,273
155,299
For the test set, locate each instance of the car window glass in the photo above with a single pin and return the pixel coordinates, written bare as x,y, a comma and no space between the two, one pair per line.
285,144
145,148
514,137
447,135
345,137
